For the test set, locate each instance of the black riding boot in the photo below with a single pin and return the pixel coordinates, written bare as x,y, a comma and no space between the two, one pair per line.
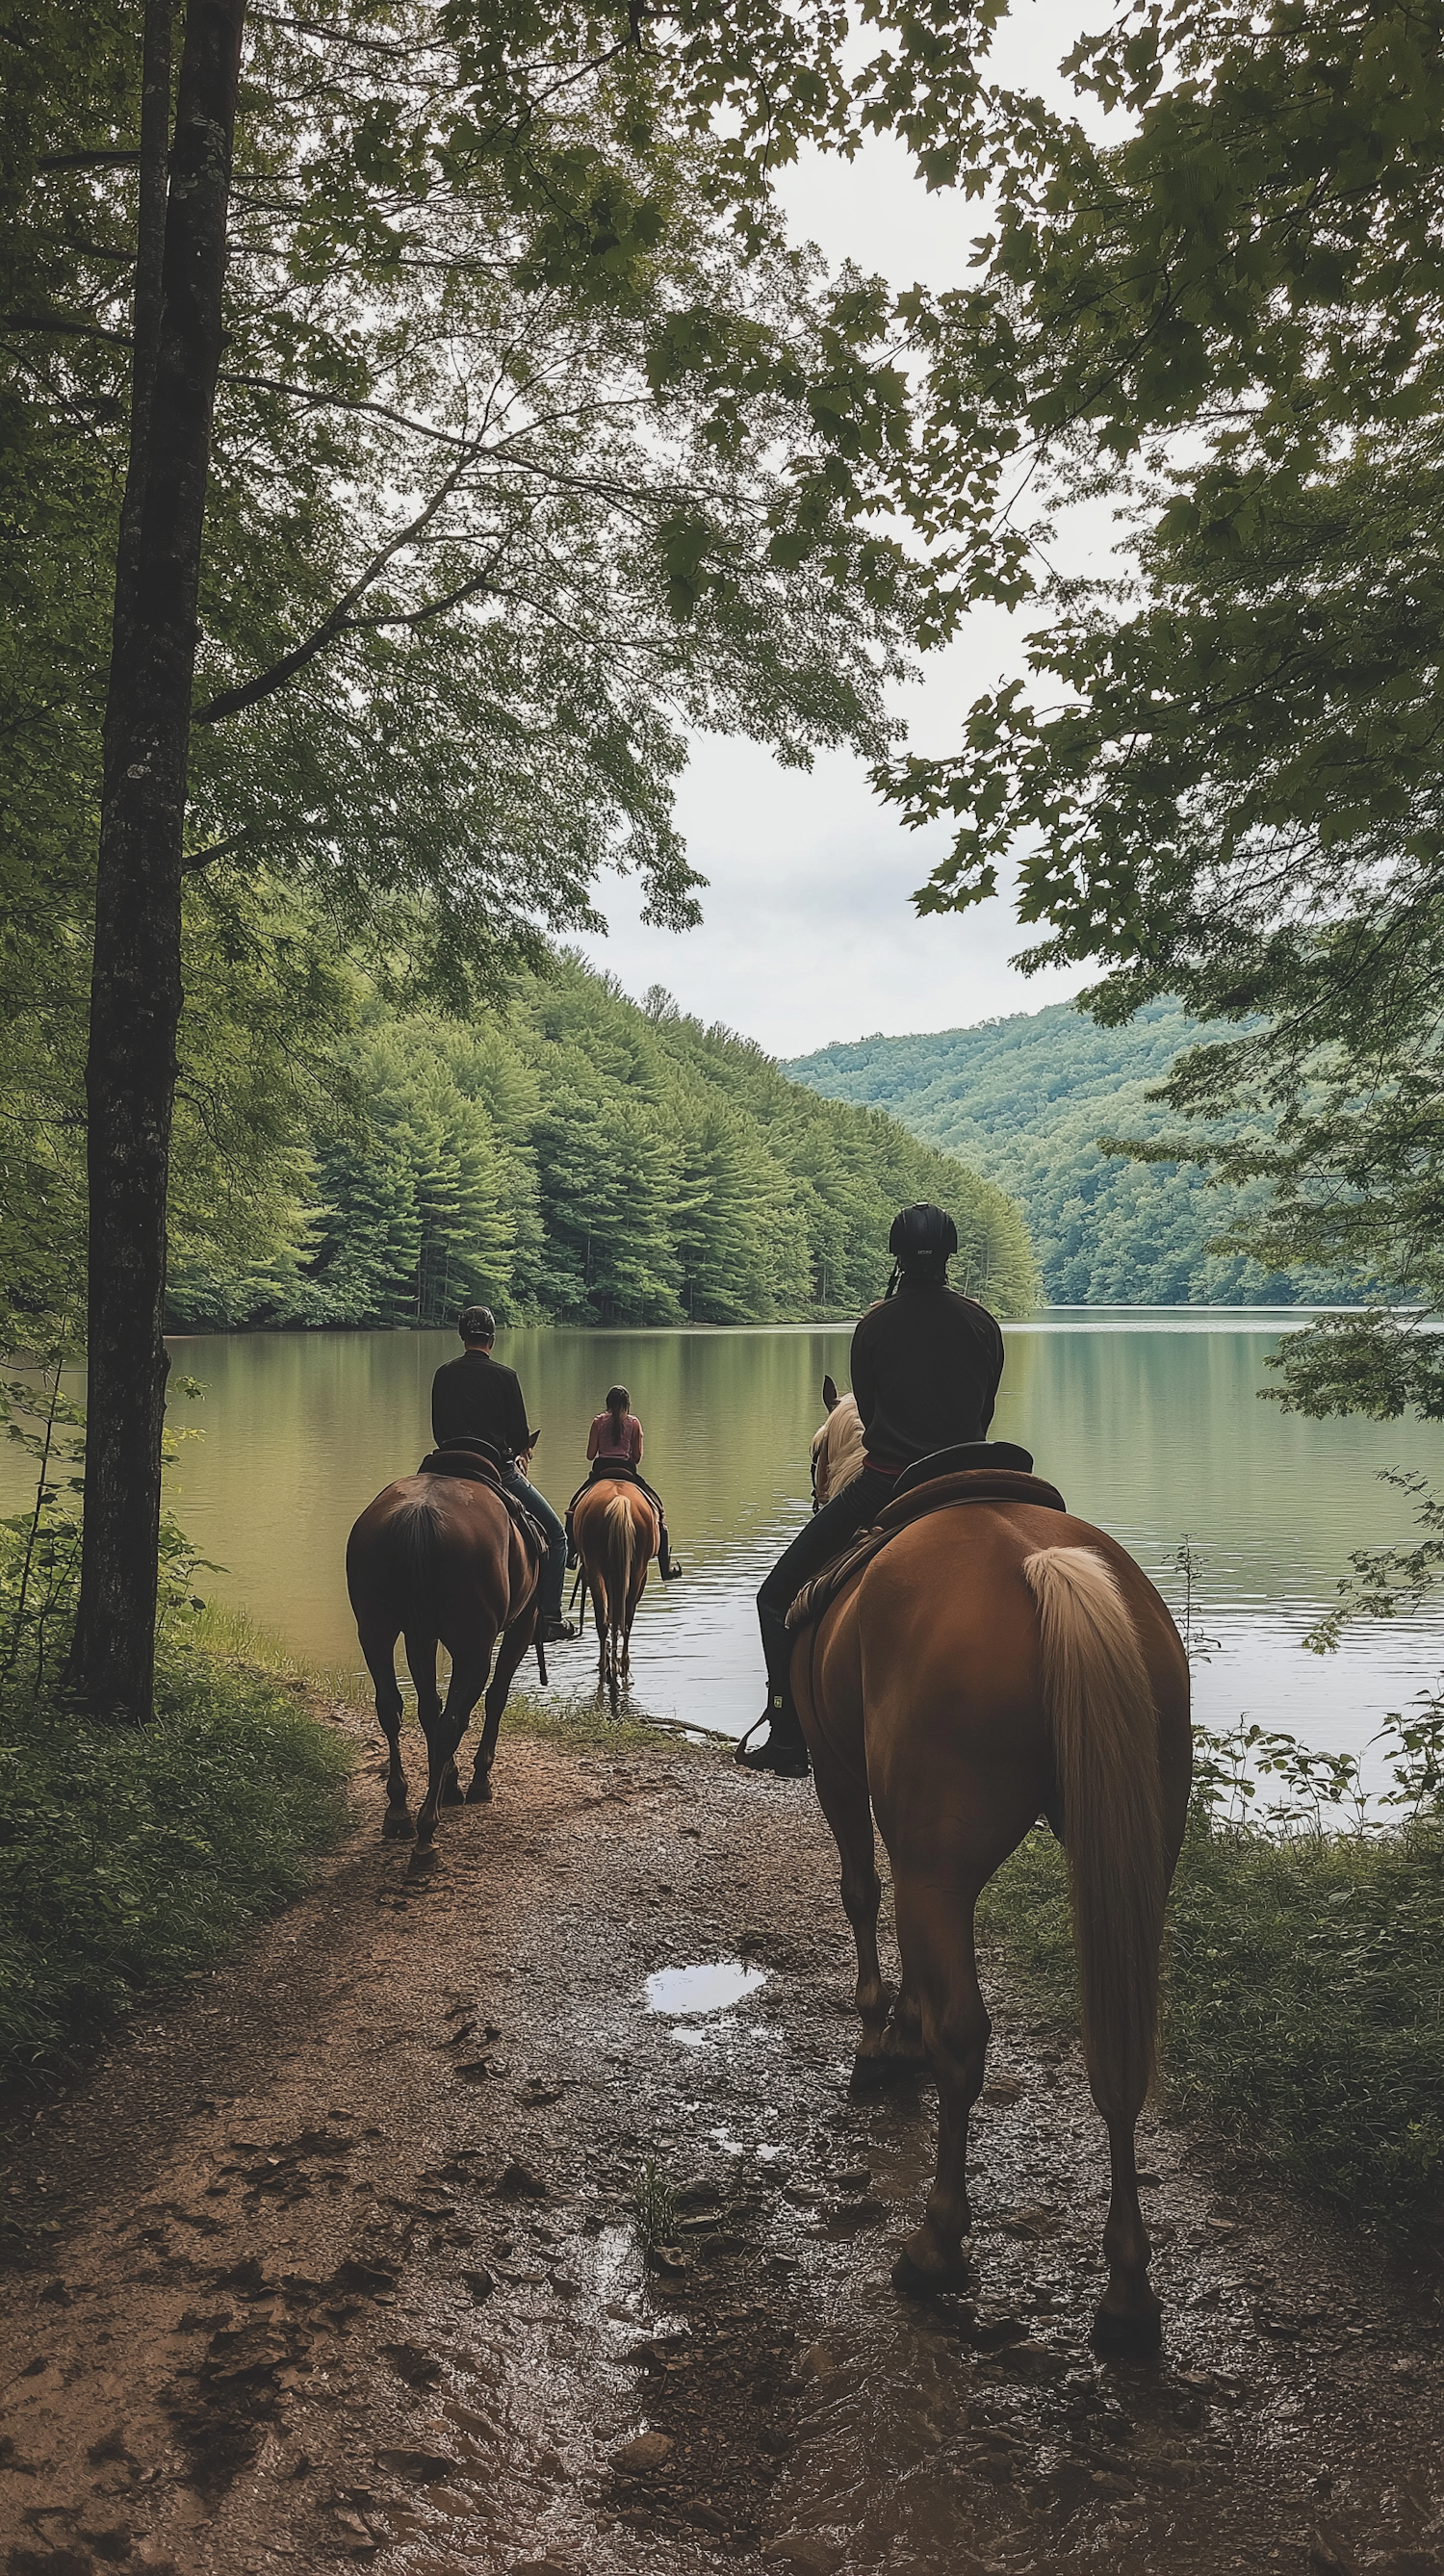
667,1570
783,1748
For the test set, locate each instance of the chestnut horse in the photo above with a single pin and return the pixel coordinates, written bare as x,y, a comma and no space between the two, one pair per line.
616,1535
439,1559
993,1663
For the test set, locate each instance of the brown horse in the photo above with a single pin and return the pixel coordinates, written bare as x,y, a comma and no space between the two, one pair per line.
437,1559
616,1534
997,1662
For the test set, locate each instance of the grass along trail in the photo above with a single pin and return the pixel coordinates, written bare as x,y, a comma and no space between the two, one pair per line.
334,2261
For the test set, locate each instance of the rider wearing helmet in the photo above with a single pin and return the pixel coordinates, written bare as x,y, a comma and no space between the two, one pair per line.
925,1369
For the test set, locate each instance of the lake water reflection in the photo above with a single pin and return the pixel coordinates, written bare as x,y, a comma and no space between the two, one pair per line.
1150,1424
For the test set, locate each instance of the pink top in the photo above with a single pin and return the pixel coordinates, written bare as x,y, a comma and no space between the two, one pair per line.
603,1443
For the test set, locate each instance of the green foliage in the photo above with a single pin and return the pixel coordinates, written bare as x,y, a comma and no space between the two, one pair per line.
1024,1101
576,1156
1302,1975
129,1856
1223,778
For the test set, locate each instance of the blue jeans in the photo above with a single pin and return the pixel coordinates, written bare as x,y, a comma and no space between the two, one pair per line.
554,1572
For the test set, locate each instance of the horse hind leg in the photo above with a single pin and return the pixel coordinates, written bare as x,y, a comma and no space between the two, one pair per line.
442,1735
378,1645
515,1642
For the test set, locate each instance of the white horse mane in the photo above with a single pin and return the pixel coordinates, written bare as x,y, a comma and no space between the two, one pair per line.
837,1455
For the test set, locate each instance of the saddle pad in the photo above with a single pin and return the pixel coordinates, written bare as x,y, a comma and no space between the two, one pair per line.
967,1455
466,1459
977,1485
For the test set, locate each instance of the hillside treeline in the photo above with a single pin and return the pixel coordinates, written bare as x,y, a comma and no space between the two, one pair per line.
571,1156
1025,1101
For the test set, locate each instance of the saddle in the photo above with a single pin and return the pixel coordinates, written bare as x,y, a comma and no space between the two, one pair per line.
476,1462
930,1485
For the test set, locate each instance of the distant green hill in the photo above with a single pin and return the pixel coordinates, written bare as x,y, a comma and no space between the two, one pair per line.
571,1156
1023,1101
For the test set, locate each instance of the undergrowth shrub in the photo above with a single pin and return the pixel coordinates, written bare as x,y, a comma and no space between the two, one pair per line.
130,1855
1303,1992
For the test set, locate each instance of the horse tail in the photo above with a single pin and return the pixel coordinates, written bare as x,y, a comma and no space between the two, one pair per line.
413,1528
1098,1701
622,1539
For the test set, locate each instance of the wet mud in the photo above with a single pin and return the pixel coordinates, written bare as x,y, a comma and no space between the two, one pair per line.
336,2260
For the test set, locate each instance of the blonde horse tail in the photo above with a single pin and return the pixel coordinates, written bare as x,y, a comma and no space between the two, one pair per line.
1099,1705
621,1536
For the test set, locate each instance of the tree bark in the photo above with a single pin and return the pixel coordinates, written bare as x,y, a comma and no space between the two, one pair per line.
136,986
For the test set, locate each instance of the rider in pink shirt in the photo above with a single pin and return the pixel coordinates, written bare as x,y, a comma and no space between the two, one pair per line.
614,1445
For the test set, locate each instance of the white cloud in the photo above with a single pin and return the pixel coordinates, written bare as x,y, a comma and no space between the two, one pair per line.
808,931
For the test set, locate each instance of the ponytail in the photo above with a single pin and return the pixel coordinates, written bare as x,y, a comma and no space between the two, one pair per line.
619,1405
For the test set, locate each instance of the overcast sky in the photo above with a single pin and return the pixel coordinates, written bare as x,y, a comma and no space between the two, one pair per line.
808,933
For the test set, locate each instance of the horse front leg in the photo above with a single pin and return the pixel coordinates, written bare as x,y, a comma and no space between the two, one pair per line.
379,1648
935,1936
844,1802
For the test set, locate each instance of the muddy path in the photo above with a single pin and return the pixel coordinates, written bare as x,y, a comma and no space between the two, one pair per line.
333,2261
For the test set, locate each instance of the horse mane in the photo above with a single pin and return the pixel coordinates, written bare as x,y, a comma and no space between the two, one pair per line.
839,1441
1099,1703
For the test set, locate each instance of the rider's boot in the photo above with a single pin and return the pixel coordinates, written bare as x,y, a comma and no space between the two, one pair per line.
783,1749
665,1568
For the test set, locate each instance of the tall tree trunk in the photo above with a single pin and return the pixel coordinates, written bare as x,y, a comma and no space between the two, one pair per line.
136,988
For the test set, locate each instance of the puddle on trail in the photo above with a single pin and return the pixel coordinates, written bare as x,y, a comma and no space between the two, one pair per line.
714,1986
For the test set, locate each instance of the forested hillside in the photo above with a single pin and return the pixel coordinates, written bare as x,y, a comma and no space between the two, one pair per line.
577,1157
1024,1100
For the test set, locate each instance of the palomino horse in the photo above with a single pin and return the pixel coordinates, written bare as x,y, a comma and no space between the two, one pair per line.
616,1535
994,1662
439,1559
837,1457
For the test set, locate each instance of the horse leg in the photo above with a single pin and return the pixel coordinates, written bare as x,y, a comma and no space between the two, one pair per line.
935,1936
514,1644
379,1648
1129,2316
442,1739
844,1802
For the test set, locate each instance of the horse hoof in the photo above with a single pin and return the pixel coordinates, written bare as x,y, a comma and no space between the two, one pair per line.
396,1826
479,1794
911,2281
874,2074
453,1796
423,1861
1118,2336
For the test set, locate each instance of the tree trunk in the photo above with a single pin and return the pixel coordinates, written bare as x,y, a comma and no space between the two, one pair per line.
136,988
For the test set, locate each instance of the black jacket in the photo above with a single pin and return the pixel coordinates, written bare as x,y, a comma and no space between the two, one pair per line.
925,1371
475,1398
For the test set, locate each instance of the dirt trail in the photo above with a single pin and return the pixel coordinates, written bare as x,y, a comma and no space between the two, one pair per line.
335,2261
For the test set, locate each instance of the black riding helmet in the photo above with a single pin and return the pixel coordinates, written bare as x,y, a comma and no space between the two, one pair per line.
922,1237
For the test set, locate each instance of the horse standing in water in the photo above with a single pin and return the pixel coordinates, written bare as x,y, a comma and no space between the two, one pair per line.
439,1559
994,1661
616,1535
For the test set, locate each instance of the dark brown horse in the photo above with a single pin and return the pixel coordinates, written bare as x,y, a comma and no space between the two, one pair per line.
994,1663
616,1536
438,1560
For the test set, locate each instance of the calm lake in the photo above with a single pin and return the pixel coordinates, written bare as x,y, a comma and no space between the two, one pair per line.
1149,1422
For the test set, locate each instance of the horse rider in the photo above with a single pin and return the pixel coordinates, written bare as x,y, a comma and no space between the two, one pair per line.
476,1398
925,1369
614,1445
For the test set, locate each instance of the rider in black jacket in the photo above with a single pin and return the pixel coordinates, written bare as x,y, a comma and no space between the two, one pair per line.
476,1398
925,1369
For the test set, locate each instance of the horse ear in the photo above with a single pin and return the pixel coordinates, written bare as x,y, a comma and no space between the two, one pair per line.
829,1394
